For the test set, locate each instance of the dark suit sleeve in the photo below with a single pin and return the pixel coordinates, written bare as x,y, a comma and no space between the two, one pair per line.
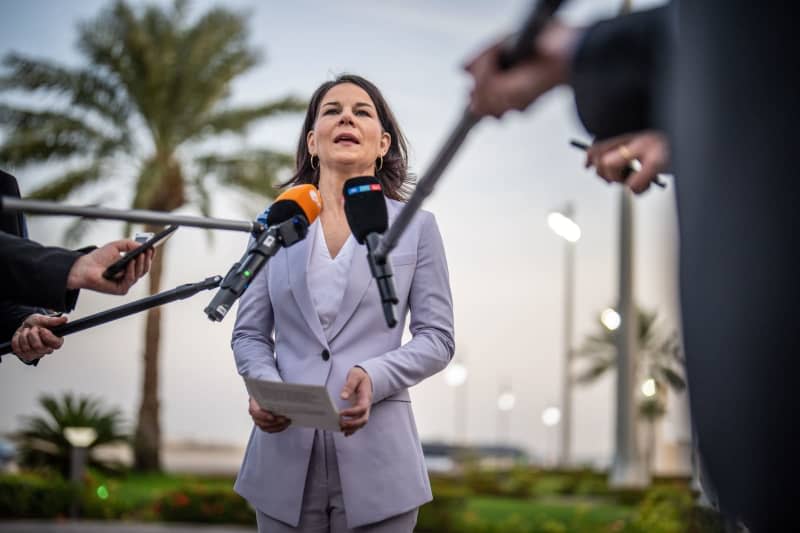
619,71
12,316
33,274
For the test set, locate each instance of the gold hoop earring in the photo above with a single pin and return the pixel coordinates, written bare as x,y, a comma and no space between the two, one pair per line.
380,165
312,162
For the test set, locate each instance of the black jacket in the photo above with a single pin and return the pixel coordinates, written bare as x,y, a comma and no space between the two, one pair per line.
30,274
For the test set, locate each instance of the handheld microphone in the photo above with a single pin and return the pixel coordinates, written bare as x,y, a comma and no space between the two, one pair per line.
365,208
287,223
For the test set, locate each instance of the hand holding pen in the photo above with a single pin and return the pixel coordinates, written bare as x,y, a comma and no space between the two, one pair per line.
635,159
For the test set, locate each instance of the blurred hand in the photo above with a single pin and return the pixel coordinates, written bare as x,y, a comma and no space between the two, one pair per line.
358,389
265,420
497,91
87,272
33,339
612,156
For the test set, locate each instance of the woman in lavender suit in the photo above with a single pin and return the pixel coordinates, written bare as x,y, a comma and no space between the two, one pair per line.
313,316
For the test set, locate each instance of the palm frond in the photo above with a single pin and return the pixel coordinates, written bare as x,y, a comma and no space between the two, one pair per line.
75,231
651,409
213,52
42,440
61,187
38,136
674,379
256,171
203,203
594,346
116,43
598,367
84,88
237,120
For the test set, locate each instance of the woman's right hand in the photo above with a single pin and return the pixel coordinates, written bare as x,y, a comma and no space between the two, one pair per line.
265,420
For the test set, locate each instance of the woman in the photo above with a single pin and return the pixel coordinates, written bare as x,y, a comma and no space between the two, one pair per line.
313,316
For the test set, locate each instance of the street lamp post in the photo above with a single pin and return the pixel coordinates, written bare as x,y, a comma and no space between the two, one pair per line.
79,438
456,377
551,416
563,224
505,403
628,469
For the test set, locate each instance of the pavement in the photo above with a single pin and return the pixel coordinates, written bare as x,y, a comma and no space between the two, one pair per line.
38,526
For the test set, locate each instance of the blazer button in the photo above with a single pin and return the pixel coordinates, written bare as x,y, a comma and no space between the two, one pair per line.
325,354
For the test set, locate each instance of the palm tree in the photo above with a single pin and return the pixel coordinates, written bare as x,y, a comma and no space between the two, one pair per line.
154,86
42,441
660,360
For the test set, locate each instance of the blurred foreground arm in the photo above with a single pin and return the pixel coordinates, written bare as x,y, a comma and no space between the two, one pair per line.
496,91
49,277
617,68
87,271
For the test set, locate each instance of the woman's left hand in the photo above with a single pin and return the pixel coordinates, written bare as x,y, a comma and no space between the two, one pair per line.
358,388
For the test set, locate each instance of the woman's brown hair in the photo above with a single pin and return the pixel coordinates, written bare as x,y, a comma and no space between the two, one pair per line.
397,183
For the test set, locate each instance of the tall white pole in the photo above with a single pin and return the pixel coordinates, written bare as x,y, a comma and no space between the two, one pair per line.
566,387
628,469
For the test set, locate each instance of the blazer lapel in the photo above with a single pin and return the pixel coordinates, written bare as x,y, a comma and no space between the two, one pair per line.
297,261
357,284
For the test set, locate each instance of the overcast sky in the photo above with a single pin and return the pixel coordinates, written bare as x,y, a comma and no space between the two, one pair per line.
506,265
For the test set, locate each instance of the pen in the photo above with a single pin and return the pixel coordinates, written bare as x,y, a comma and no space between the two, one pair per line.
633,166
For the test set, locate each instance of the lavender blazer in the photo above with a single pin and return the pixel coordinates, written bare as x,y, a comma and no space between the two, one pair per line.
278,336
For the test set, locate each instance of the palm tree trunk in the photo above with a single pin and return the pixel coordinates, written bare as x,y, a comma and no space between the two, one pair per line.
650,447
147,441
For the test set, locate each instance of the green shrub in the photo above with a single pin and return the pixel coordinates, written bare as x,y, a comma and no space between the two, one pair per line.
483,481
34,496
441,514
705,520
592,485
554,485
196,503
42,442
626,496
517,482
664,509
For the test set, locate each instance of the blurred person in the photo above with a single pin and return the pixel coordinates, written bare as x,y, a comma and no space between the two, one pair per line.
724,94
310,316
33,277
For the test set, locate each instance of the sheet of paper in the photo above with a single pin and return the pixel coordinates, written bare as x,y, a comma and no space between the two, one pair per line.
304,405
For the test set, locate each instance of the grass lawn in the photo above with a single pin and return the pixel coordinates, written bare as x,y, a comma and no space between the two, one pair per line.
585,515
135,490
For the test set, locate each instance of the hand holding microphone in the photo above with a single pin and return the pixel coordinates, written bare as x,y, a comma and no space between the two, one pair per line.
365,208
287,223
636,159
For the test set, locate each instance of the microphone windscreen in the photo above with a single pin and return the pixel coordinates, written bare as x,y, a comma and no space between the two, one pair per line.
365,207
298,200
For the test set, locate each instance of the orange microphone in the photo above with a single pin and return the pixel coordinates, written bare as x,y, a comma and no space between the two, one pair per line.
302,200
287,223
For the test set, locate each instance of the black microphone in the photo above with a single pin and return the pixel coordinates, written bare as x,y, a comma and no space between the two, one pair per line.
287,223
365,208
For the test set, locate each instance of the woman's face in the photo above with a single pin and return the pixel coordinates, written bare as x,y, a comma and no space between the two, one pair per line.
347,133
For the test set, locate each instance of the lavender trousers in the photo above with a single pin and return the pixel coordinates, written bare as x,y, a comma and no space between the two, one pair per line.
323,505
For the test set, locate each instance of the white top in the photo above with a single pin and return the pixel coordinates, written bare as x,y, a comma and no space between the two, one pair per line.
327,277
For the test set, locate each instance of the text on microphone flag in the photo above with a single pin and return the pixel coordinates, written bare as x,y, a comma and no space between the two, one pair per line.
363,188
